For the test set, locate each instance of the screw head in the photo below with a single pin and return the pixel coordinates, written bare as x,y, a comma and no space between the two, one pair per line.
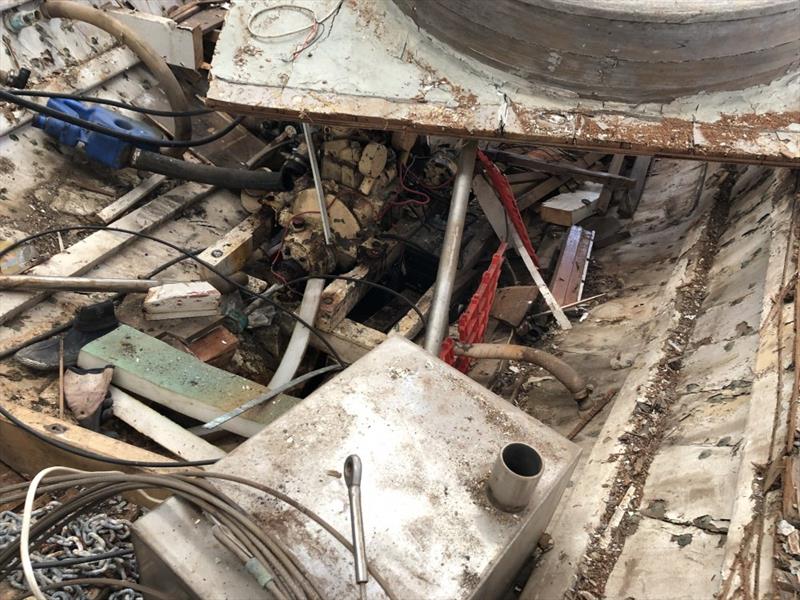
216,253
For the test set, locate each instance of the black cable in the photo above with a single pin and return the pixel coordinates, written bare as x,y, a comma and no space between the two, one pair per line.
117,103
372,284
127,137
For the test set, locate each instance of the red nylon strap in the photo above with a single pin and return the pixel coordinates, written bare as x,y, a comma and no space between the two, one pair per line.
506,194
473,321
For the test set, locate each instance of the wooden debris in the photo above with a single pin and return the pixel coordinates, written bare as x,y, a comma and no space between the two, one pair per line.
154,370
350,339
511,304
552,184
92,250
570,208
181,300
562,168
639,173
570,272
216,347
496,215
28,455
230,253
127,201
160,429
130,313
605,196
791,490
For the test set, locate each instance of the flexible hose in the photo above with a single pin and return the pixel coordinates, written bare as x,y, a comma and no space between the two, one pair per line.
66,9
218,176
573,381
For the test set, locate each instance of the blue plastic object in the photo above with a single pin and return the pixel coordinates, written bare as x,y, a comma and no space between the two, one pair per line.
99,147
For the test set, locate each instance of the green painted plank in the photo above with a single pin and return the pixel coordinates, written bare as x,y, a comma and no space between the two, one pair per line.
152,369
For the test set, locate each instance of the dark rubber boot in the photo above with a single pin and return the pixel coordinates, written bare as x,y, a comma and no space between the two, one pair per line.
90,323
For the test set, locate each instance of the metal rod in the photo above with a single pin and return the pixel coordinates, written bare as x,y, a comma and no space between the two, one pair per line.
352,477
61,377
76,284
451,248
323,207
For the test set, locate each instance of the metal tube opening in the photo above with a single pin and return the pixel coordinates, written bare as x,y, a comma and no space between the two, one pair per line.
514,476
522,460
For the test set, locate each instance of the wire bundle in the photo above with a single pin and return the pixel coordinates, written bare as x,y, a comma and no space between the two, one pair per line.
274,565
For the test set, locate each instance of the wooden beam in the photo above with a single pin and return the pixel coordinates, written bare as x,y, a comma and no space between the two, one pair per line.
160,429
127,201
92,250
480,242
570,272
28,455
156,371
230,253
605,196
350,339
561,168
496,215
570,208
639,173
550,185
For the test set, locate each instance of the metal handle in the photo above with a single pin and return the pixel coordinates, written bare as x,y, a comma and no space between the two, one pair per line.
352,477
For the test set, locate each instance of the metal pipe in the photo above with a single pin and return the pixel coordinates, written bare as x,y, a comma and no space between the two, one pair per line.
76,284
514,476
451,249
323,205
571,379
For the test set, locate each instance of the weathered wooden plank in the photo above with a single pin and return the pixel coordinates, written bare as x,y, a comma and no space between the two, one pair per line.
127,201
155,370
511,304
480,241
639,172
230,253
562,168
28,455
341,295
350,339
92,250
160,429
570,208
791,490
550,185
605,196
570,273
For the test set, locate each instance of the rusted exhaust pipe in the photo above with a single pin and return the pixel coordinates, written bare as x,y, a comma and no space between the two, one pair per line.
514,476
574,382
